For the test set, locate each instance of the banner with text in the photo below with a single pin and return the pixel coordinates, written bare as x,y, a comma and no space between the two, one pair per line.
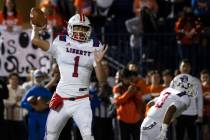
17,54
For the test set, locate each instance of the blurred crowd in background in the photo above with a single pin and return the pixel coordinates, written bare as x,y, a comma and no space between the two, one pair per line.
150,41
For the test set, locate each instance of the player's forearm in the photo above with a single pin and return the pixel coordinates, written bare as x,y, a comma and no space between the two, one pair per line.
100,74
169,115
166,121
42,44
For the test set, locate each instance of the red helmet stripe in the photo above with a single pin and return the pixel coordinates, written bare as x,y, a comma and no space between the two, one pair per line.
83,16
80,17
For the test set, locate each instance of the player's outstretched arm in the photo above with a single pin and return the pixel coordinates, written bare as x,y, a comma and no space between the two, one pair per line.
100,74
166,121
42,44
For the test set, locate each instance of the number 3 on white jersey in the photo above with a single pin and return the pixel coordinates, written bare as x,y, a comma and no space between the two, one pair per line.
159,103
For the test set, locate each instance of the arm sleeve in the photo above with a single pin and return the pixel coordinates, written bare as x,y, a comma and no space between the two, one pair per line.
24,103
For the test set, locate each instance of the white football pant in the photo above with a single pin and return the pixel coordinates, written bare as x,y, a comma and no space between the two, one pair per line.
81,112
150,129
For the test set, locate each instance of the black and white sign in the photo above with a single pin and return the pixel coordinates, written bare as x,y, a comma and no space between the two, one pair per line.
17,54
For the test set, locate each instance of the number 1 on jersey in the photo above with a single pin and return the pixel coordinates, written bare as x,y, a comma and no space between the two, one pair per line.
76,63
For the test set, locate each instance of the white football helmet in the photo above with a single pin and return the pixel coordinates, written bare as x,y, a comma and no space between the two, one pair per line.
184,83
79,20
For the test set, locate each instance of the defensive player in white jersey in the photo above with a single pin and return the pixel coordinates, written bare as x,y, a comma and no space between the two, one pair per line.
169,105
76,54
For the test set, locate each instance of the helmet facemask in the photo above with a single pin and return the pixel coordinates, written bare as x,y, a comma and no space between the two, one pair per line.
81,33
79,29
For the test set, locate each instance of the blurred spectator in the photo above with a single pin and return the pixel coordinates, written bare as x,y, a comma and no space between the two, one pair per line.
188,29
148,77
194,113
66,8
84,6
14,114
28,84
122,7
118,80
10,18
165,7
176,72
132,66
54,20
36,102
141,27
155,88
102,122
118,13
4,94
117,77
167,76
201,8
134,27
103,6
30,81
137,7
139,80
179,5
128,102
205,81
12,104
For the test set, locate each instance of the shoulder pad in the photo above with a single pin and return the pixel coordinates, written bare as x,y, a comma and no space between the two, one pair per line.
96,42
62,38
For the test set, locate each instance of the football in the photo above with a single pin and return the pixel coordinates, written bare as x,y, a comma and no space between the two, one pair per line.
37,17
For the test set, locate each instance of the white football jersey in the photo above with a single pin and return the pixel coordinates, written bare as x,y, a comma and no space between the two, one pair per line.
167,98
75,61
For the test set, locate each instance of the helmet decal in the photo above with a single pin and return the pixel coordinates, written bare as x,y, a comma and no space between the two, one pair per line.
184,83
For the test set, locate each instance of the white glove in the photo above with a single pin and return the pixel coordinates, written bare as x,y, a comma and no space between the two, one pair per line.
163,132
